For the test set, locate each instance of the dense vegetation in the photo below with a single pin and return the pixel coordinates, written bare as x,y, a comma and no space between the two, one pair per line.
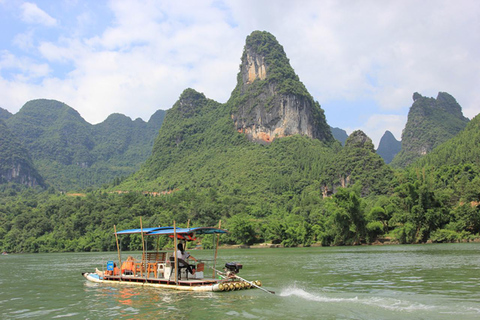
430,123
262,193
293,191
70,153
15,162
4,114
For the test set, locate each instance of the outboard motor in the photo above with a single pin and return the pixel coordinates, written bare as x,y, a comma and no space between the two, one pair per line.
232,268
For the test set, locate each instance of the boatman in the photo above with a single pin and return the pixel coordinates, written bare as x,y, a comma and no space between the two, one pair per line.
182,257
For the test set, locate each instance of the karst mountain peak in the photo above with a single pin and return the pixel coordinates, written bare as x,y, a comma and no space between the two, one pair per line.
269,100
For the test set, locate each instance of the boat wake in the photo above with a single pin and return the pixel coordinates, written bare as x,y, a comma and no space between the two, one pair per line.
385,303
300,293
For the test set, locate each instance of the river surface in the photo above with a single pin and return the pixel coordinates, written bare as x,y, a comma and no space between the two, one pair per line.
439,281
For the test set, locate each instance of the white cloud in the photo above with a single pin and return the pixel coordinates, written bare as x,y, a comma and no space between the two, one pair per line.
24,40
137,68
31,13
26,68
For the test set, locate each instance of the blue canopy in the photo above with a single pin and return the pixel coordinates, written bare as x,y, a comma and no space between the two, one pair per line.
170,231
145,230
198,230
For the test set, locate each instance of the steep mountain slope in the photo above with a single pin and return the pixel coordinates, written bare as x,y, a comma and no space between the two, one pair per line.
200,147
70,153
269,100
430,123
339,135
463,149
53,131
124,142
388,147
357,162
205,144
215,162
15,162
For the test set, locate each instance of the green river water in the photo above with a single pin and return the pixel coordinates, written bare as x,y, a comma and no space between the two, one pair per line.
370,282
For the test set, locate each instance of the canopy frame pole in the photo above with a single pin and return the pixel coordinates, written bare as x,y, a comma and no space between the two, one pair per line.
216,249
175,251
158,242
118,251
143,249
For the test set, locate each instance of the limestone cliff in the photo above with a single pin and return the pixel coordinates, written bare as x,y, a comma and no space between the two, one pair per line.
269,101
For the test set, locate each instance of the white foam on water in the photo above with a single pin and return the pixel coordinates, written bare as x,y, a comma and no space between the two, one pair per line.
73,314
300,293
398,305
389,304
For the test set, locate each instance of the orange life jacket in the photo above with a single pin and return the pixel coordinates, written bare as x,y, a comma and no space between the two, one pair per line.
127,266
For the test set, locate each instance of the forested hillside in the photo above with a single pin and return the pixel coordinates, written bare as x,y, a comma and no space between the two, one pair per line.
430,123
69,153
296,189
15,162
4,114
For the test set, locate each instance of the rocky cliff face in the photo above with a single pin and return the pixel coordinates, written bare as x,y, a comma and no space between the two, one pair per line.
430,123
269,101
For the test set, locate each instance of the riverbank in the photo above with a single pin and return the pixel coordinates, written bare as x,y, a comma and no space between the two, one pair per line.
379,242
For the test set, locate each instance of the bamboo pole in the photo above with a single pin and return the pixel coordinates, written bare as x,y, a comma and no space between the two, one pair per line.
175,251
188,223
143,249
118,250
216,249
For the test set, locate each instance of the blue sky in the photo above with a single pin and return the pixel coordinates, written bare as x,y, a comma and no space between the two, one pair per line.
362,60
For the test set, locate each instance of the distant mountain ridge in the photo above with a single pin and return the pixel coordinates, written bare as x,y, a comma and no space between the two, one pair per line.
430,123
388,147
339,134
70,153
268,104
462,149
260,163
15,162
